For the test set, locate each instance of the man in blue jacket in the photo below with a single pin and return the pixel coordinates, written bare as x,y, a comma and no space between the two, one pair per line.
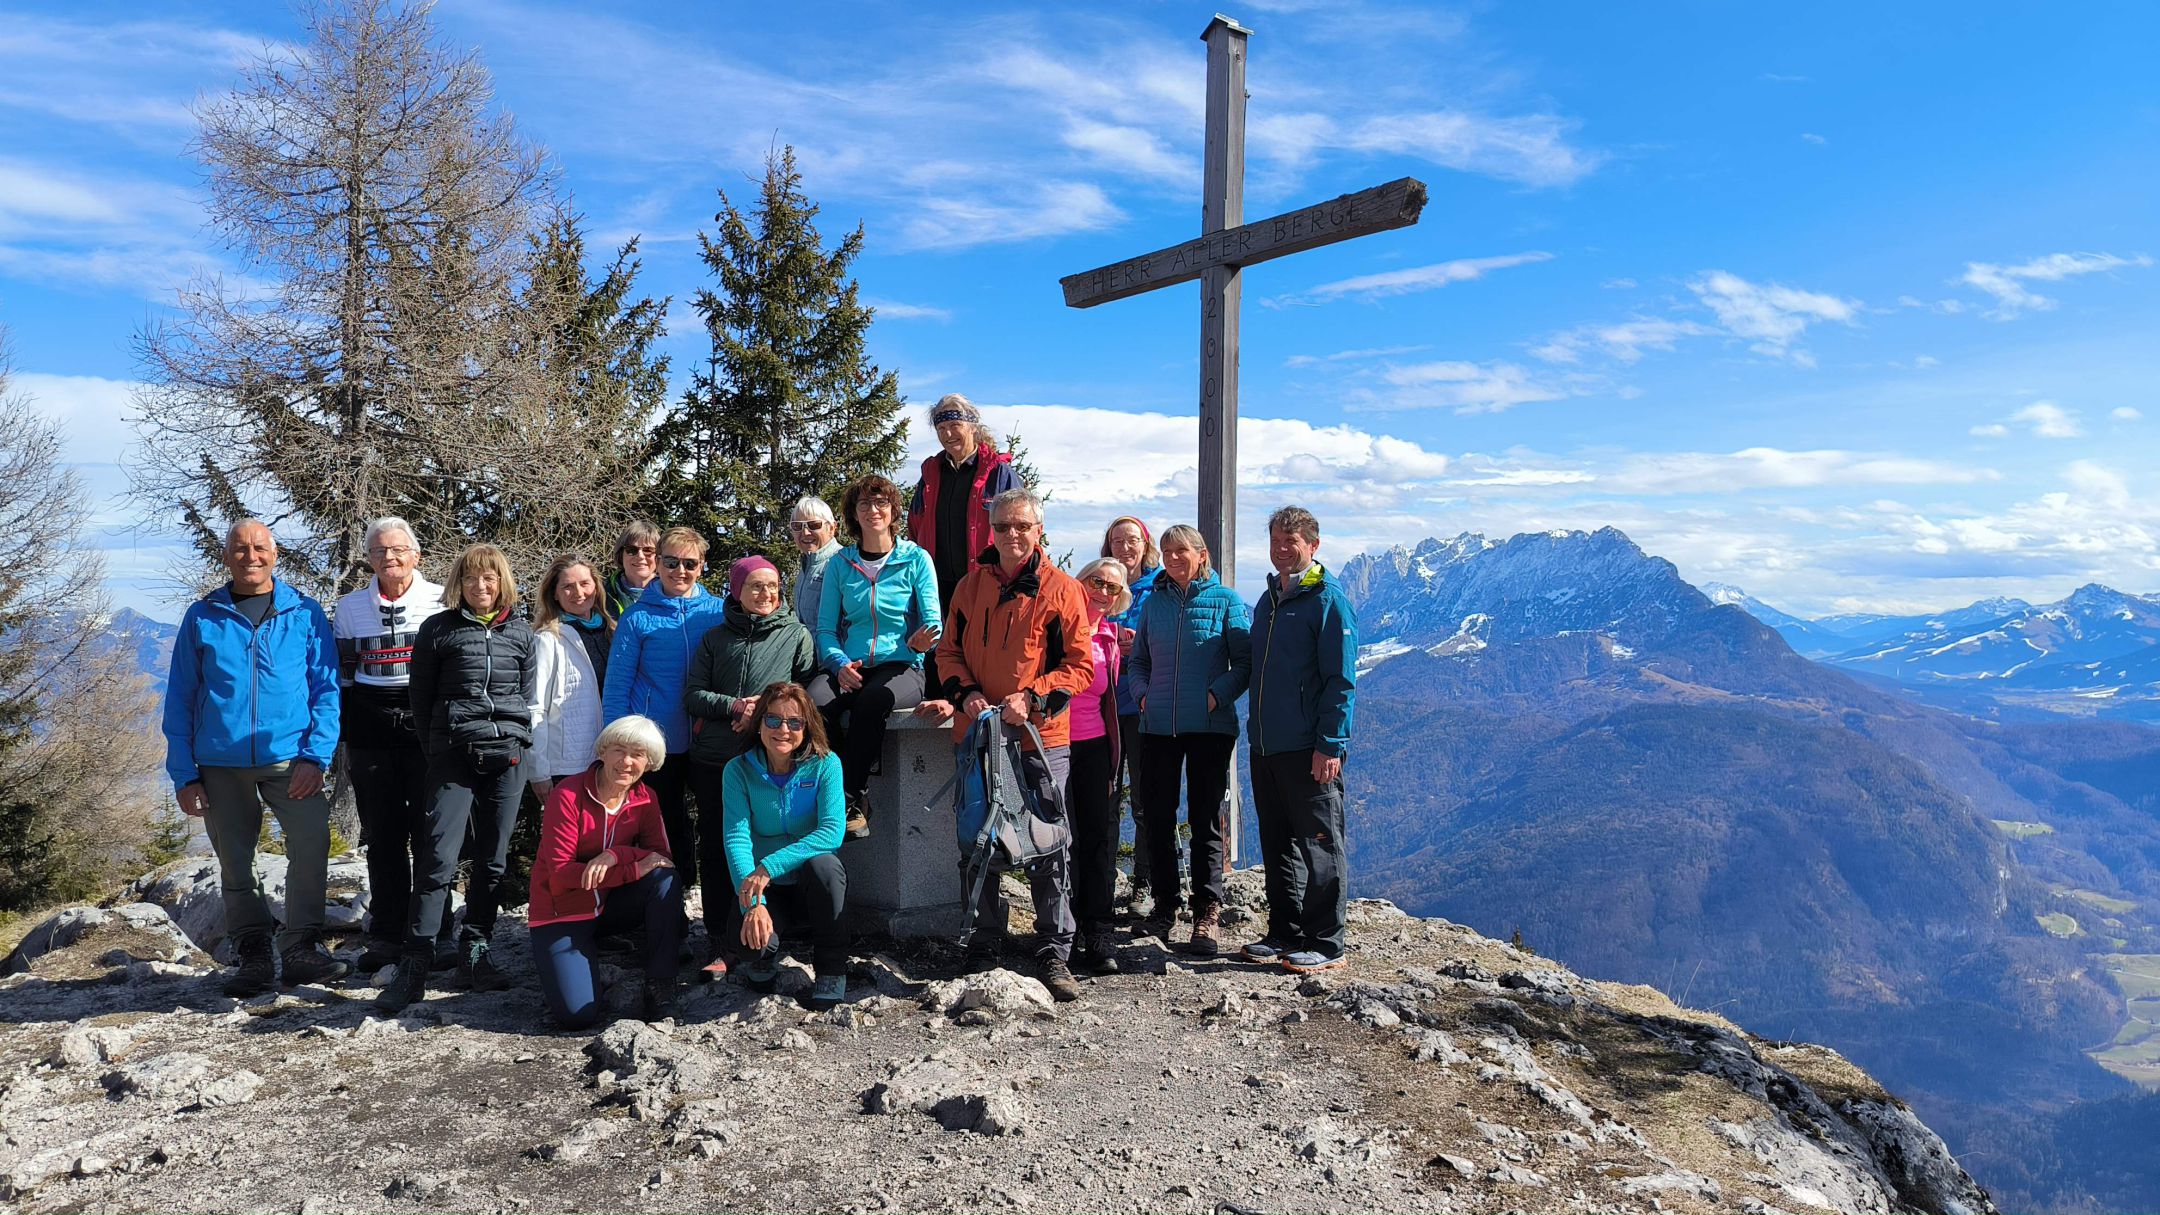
251,716
1304,678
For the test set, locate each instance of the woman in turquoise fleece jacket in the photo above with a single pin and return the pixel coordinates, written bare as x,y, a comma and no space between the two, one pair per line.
782,819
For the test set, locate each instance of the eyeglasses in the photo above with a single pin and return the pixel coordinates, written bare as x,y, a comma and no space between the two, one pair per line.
402,550
1011,528
638,550
1106,586
681,563
773,721
807,525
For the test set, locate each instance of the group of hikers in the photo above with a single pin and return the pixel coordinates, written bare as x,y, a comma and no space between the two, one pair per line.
624,695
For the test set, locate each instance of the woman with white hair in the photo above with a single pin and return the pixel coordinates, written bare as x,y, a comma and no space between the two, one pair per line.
604,867
817,537
1091,782
375,625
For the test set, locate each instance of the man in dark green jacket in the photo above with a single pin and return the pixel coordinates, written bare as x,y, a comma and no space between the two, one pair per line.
1304,680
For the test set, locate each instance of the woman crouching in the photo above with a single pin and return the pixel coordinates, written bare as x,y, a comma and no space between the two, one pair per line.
604,867
783,816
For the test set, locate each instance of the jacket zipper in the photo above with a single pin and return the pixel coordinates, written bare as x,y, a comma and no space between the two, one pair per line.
1177,654
1259,688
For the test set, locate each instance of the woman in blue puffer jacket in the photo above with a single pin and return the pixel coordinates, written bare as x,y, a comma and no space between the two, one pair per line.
1191,660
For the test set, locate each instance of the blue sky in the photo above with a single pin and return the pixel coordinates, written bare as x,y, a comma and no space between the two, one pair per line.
1852,306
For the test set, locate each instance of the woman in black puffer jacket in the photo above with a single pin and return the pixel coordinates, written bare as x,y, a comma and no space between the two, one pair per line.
474,670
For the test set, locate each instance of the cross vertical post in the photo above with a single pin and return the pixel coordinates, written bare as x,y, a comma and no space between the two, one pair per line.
1222,207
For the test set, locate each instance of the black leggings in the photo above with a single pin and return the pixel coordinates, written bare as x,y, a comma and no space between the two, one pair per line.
885,687
1204,761
1094,818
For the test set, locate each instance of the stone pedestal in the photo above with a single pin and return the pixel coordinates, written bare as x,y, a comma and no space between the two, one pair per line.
904,879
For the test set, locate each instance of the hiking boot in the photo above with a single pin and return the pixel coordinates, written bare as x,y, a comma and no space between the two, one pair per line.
827,992
858,816
446,954
380,952
479,970
659,999
1207,922
1058,977
1266,949
760,974
309,964
1096,953
257,972
1307,961
408,985
984,952
1157,926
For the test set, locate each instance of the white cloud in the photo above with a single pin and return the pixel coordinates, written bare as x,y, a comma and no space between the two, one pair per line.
1408,281
894,310
2049,420
1350,356
1618,284
1464,387
1776,468
1532,150
2007,283
1621,340
1029,211
1990,430
1770,317
1811,137
2125,414
1925,361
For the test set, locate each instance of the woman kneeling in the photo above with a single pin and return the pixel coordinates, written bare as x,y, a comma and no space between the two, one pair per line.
783,816
604,867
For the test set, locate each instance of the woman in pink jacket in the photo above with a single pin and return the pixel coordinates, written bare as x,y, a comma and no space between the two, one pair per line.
604,866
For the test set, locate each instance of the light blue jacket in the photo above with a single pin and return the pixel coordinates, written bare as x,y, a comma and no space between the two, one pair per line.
868,620
777,826
244,696
1191,641
650,659
1304,679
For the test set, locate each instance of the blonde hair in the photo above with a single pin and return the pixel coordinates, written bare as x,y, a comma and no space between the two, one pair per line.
1124,597
484,559
685,537
1189,536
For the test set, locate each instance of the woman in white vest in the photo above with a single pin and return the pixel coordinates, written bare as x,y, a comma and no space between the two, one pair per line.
572,634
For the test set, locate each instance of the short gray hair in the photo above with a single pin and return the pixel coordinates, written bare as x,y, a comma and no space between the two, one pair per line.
810,506
389,523
1018,495
251,521
638,733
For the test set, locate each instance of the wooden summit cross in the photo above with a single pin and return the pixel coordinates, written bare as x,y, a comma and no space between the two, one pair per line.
1226,245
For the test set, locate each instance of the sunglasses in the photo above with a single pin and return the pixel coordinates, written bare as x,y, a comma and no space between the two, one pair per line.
638,550
681,563
1014,529
773,721
810,526
1106,586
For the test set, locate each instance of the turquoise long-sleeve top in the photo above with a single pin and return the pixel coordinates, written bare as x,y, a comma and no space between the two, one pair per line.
779,825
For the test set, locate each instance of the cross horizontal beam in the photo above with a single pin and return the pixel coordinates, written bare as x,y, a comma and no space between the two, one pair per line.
1394,205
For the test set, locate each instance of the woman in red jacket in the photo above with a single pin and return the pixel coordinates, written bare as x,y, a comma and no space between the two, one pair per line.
603,867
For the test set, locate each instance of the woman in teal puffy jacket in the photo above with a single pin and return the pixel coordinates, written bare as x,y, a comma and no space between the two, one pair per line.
781,818
1191,660
878,619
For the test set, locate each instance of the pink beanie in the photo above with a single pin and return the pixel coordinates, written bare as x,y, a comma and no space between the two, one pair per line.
740,572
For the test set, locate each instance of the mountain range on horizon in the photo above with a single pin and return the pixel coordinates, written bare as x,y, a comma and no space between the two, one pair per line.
1558,735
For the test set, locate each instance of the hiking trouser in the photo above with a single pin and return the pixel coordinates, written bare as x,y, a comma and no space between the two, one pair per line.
566,953
668,785
458,798
722,926
885,687
1203,760
1049,883
390,792
233,820
1301,849
1130,748
807,908
1091,811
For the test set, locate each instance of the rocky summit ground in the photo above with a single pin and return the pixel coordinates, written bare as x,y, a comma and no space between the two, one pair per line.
1440,1071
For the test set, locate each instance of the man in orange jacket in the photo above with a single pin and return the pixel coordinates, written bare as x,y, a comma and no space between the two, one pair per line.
1016,638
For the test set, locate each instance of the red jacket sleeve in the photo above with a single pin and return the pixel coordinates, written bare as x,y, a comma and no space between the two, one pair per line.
556,862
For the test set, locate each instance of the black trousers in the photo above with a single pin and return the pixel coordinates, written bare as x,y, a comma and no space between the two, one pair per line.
722,926
1089,806
458,798
1204,762
1128,788
668,785
809,908
390,790
1301,849
885,687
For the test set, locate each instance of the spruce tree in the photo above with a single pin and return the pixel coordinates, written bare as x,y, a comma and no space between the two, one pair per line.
789,403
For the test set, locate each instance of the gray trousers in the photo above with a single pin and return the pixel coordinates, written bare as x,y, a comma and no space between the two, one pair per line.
1301,846
1049,881
233,821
